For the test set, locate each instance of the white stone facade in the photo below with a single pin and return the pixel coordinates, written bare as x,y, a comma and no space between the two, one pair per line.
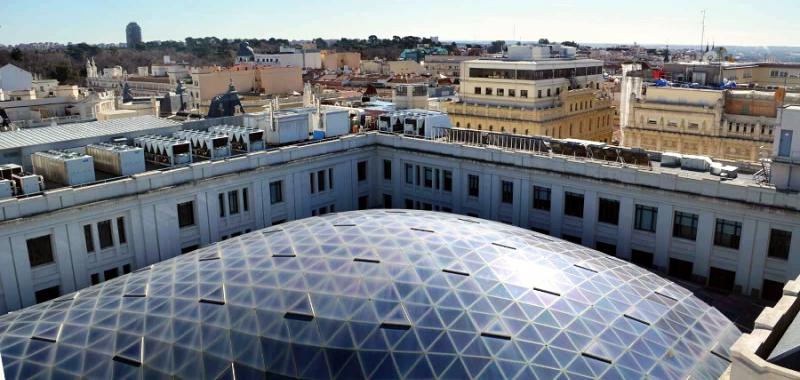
147,204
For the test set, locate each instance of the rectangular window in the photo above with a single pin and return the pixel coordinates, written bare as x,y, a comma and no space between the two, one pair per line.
111,273
189,248
186,214
645,218
523,93
573,204
245,200
95,278
418,171
477,90
772,290
608,211
409,204
488,90
387,170
512,92
539,93
721,278
363,202
321,180
642,258
409,174
607,248
47,294
447,180
362,171
276,192
541,198
311,183
126,269
727,233
500,92
685,225
40,250
87,236
233,202
779,242
436,179
121,230
330,178
428,177
507,188
680,268
473,182
221,201
387,201
104,233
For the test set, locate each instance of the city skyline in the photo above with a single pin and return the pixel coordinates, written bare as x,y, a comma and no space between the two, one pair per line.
589,23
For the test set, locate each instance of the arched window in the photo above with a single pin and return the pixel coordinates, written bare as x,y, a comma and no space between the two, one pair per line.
458,124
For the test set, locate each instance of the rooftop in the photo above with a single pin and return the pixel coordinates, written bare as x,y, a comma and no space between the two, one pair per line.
110,128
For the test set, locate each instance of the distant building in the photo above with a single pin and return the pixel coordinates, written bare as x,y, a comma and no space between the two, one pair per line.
13,78
537,90
731,124
447,65
133,34
288,56
391,67
250,82
335,61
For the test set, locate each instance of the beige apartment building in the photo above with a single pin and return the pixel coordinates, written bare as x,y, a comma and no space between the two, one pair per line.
560,98
732,125
332,60
208,82
447,65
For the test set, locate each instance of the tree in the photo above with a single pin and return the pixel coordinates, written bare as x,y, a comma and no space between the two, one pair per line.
570,43
321,44
17,55
496,47
373,39
544,41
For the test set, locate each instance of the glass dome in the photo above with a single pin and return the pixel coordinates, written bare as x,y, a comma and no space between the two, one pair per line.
379,294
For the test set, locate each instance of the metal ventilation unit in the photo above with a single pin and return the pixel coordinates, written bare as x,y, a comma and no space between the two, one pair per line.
14,181
242,139
164,150
208,145
66,168
118,159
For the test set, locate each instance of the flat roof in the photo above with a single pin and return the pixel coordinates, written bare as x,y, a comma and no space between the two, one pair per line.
47,135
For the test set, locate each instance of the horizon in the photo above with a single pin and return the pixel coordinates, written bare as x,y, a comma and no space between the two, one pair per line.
304,21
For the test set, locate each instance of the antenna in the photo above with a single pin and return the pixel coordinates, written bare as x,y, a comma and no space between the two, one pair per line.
702,30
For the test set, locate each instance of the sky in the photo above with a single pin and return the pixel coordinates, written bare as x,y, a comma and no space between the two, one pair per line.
676,22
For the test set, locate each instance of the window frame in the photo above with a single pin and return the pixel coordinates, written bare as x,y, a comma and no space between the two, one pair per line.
679,229
725,239
276,192
639,223
574,208
539,201
507,192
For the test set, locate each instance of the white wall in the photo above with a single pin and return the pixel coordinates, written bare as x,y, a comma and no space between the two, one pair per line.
12,78
147,202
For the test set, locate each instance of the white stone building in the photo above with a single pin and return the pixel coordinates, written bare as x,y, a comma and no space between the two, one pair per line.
738,234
